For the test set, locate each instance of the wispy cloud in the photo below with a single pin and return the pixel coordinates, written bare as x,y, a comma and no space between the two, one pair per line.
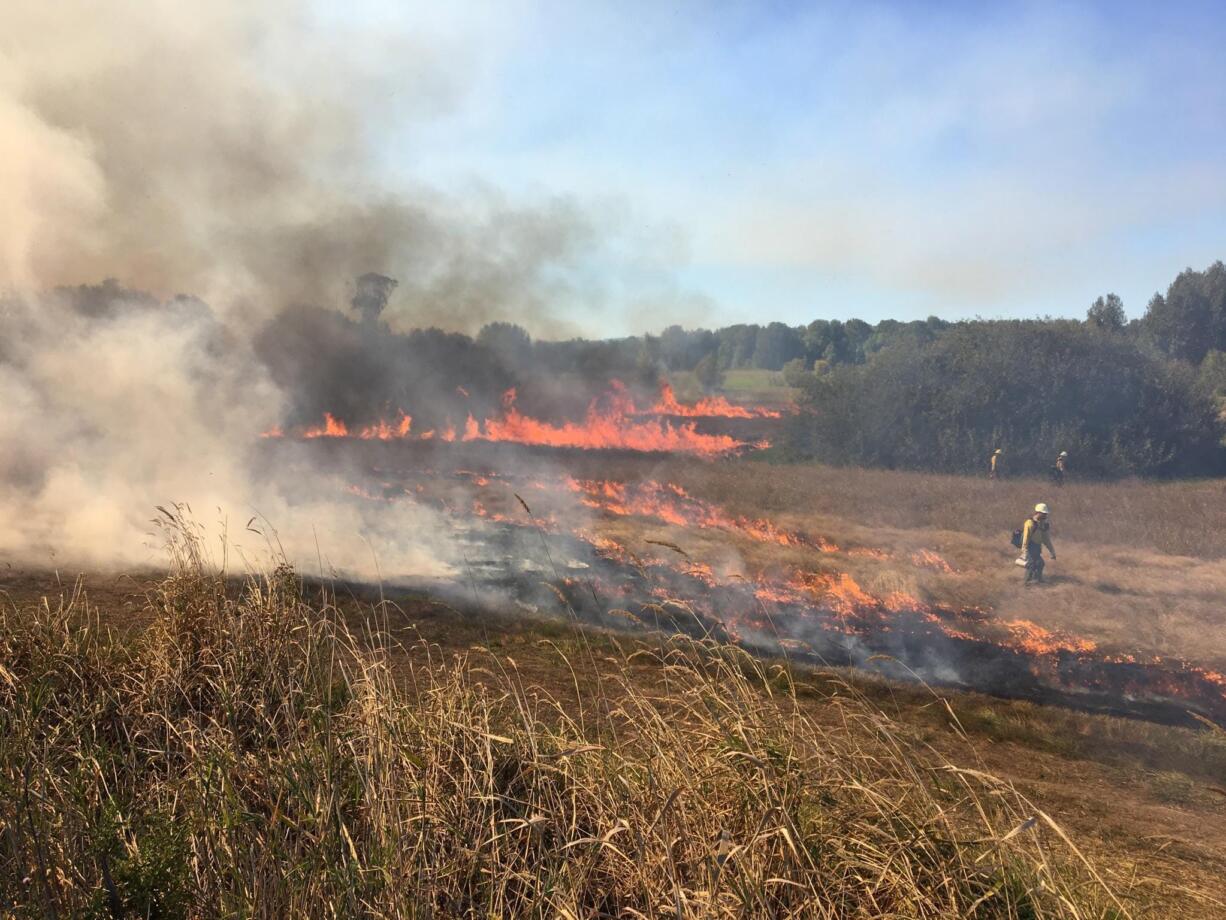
962,158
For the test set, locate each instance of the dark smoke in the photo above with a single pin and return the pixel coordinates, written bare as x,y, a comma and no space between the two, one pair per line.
232,151
373,290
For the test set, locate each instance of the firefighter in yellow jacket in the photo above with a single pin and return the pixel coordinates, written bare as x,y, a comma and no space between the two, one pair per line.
1036,533
994,463
1059,468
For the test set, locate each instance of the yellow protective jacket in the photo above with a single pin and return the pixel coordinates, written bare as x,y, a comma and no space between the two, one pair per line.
1037,533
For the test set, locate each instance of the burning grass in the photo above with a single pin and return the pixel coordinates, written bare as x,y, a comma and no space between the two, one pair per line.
1141,567
612,422
810,604
247,753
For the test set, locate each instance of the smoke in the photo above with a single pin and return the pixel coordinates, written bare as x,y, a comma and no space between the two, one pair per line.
115,402
238,151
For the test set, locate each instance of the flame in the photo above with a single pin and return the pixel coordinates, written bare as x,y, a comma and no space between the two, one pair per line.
385,431
331,428
612,422
928,559
841,591
708,407
671,504
608,427
369,495
1039,641
868,552
610,549
548,522
808,604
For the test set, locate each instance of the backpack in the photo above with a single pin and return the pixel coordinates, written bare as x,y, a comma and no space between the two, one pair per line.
1017,538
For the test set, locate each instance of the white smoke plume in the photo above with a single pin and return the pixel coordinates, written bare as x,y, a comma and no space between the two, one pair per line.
107,415
225,150
237,151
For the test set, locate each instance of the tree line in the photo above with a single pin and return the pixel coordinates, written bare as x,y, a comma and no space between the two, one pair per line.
1142,397
1123,397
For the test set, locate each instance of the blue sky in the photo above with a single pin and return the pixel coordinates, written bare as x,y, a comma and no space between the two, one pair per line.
760,161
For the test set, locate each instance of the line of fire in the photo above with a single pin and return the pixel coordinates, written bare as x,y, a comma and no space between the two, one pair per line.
544,532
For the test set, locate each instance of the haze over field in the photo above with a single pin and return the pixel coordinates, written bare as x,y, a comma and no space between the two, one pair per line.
608,169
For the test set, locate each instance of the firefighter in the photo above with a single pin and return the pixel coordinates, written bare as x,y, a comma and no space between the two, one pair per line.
1059,468
994,463
1036,533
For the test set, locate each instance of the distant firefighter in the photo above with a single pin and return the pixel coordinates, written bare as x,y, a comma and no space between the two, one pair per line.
994,463
1034,535
1059,468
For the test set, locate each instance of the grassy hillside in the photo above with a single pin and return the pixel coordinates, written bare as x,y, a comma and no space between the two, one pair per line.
190,745
246,751
265,746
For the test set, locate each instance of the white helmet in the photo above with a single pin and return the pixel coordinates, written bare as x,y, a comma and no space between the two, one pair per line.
1064,453
1041,508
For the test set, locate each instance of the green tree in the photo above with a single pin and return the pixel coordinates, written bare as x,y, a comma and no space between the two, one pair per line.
1191,318
1213,372
776,345
827,340
858,334
1037,386
796,372
736,345
1107,313
511,343
681,350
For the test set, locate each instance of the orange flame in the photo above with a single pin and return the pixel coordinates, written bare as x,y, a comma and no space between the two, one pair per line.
815,596
609,428
612,422
671,504
926,558
331,428
385,431
708,407
1039,641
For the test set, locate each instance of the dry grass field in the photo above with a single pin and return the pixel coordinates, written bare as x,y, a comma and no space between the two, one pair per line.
1141,567
267,747
195,745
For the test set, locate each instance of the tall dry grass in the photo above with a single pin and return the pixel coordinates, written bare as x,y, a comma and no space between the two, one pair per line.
247,755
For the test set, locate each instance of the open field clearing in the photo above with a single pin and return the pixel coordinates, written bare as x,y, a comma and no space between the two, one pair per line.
828,566
562,461
489,699
631,695
1141,566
